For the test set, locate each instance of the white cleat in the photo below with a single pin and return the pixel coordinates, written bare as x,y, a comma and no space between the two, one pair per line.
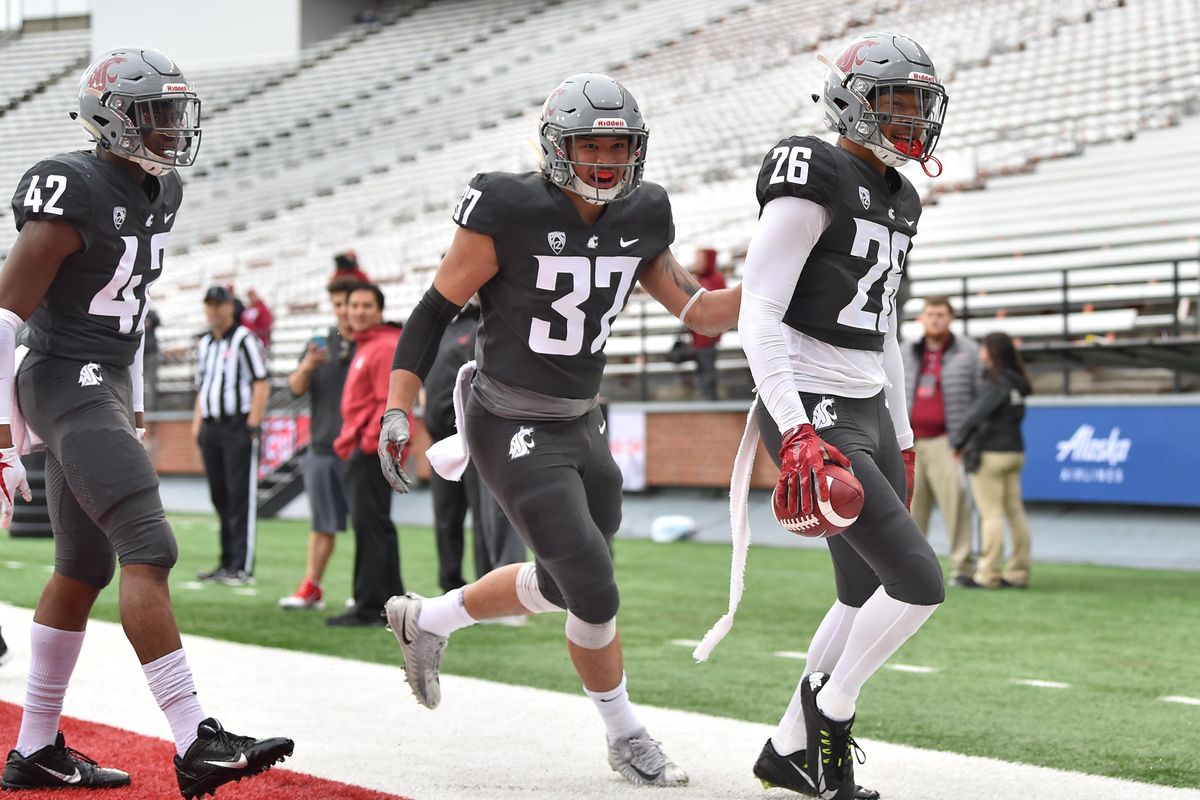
642,762
422,650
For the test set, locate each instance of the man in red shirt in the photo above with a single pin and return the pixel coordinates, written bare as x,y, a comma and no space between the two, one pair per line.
364,398
943,372
257,317
705,347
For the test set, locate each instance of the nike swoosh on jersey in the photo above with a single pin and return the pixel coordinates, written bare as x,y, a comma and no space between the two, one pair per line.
603,425
76,778
167,217
241,762
911,222
631,241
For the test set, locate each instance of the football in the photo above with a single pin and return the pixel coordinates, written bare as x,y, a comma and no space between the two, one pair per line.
831,517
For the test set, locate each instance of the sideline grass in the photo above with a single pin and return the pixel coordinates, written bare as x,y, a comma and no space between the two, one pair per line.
1121,638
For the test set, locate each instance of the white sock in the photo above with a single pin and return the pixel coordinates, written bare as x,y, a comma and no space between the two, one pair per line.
823,653
53,655
170,681
620,720
445,614
880,627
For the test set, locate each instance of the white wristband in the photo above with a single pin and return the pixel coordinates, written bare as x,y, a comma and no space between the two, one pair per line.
691,302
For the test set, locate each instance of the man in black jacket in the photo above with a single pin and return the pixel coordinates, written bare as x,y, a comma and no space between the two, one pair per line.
496,542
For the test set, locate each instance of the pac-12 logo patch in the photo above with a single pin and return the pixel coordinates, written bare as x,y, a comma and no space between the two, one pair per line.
864,196
118,216
521,443
557,241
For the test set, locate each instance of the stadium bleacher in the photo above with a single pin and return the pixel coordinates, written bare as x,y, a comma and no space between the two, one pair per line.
1067,209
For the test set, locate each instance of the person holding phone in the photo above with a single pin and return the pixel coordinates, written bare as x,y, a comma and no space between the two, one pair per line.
321,374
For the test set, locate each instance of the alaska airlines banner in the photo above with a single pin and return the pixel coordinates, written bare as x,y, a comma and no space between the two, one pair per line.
1148,454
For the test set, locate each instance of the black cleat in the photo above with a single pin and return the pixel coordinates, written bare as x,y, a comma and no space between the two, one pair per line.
218,757
5,655
791,772
831,748
57,766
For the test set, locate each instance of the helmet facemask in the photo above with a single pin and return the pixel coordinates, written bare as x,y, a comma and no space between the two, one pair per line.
915,107
161,132
564,163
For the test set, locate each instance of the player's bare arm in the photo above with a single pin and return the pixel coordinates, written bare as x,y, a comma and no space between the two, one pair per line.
673,285
28,272
468,264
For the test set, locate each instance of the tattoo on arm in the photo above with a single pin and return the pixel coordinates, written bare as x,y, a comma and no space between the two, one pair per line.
681,277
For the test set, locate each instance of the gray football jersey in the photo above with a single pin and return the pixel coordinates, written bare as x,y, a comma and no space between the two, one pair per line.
95,308
847,290
549,310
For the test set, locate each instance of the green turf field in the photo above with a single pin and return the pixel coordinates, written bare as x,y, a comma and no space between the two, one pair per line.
1121,638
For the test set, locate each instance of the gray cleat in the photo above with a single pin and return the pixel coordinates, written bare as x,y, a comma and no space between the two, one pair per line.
422,650
642,762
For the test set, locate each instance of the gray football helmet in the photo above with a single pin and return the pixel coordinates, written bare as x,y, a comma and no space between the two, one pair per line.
589,104
885,79
131,94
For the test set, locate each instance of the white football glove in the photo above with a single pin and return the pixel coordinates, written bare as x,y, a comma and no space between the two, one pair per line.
12,481
393,435
141,435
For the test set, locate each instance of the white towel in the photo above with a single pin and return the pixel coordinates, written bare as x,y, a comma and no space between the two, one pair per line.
450,456
739,527
25,438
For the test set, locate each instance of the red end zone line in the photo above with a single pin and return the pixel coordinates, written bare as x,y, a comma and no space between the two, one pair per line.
149,762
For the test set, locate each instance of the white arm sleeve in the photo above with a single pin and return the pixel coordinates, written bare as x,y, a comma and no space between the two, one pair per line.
787,232
896,392
10,323
135,377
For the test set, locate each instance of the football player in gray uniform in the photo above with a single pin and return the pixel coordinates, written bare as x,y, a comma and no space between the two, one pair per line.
554,255
93,226
818,324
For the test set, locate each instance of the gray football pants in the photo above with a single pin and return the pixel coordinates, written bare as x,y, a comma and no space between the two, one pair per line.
884,546
557,482
101,486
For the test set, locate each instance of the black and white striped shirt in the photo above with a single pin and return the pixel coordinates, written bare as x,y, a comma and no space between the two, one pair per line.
226,369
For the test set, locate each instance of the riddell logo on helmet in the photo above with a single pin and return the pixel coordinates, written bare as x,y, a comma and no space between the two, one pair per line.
922,76
105,72
176,87
610,122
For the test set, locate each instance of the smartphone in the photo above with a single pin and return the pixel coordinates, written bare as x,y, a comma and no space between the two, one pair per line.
320,341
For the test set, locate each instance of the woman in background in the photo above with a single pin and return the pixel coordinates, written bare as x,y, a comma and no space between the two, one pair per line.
993,451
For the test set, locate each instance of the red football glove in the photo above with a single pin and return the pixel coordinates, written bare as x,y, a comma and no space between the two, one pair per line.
910,473
802,458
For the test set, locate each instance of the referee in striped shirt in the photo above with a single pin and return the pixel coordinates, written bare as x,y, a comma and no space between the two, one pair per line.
232,392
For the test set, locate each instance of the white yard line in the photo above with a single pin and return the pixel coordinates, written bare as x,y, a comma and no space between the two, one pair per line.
799,655
1040,684
685,642
914,668
356,722
1187,701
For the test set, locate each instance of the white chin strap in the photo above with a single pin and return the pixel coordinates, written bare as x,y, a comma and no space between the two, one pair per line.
154,168
593,194
888,157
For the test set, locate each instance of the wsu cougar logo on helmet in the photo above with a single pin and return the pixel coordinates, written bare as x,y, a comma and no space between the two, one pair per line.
105,72
850,58
521,443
